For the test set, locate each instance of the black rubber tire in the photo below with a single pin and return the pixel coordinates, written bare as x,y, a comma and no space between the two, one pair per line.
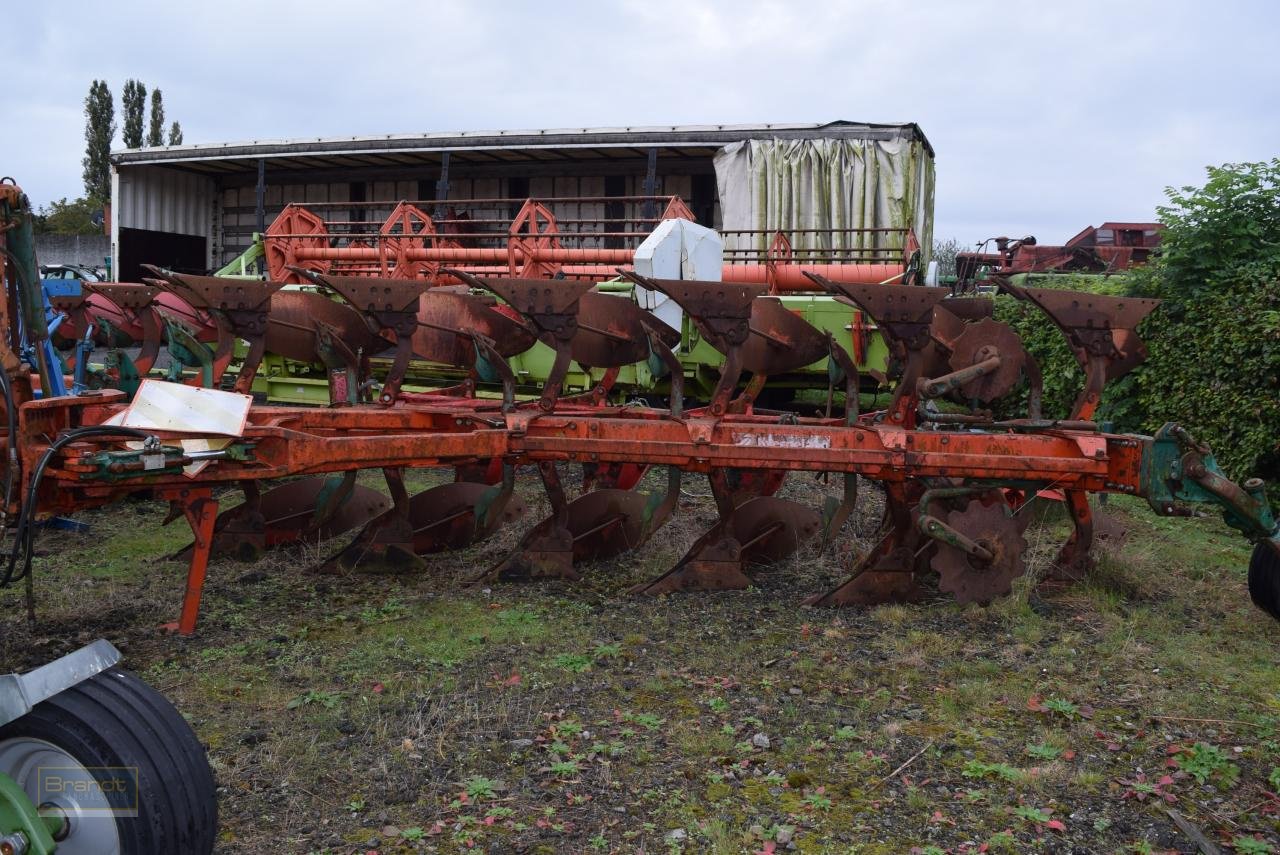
1264,578
115,719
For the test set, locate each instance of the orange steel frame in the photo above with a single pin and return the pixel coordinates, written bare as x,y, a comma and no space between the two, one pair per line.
408,247
290,441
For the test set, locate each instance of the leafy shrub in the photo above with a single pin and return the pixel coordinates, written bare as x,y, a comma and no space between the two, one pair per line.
1214,343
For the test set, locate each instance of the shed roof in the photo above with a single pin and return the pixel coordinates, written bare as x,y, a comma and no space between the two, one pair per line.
492,147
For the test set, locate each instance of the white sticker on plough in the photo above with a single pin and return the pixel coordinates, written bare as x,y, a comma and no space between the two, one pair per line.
781,440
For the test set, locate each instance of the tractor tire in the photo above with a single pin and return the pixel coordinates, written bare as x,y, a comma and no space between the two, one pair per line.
1264,578
114,720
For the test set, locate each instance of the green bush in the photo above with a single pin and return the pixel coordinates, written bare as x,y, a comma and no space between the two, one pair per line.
1063,377
1214,342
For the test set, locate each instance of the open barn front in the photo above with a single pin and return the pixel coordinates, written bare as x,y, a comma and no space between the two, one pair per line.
184,253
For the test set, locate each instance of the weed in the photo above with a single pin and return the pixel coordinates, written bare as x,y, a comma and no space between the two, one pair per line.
573,662
1031,814
607,651
1203,761
1252,846
412,834
519,618
1062,707
1044,752
328,700
648,721
480,788
564,768
392,608
1002,841
568,727
1003,771
818,800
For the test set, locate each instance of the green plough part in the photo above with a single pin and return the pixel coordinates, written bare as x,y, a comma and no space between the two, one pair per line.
1176,469
19,816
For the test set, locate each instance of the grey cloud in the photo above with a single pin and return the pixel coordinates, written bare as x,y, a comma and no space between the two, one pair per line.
1045,117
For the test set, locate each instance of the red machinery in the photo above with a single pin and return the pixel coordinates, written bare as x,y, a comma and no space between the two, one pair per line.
953,481
534,243
1106,249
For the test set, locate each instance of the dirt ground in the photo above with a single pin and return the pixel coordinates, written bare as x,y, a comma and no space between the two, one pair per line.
416,714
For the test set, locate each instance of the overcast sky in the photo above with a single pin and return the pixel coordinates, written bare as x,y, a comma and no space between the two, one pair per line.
1045,117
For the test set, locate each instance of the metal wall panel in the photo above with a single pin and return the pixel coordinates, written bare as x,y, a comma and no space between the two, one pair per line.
163,200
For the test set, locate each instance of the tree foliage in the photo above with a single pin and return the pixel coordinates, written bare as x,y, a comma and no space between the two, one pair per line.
944,252
99,128
1214,343
155,133
65,217
133,104
175,134
1225,231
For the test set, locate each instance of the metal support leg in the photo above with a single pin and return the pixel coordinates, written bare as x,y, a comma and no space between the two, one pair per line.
201,510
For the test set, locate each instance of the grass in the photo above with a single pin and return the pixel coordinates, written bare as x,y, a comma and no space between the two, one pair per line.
409,714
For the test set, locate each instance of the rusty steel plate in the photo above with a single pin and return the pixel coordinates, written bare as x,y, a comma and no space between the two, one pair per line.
894,304
216,292
769,529
170,304
1130,352
780,340
373,294
981,341
538,297
885,574
969,308
285,515
288,510
1078,310
443,311
103,309
608,522
611,331
446,516
967,578
946,327
721,310
291,331
126,295
551,304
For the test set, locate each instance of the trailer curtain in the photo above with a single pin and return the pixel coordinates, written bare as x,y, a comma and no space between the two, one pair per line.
788,185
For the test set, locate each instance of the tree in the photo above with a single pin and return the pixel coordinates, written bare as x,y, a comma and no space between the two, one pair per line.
175,134
155,136
68,218
944,252
99,128
1214,343
133,103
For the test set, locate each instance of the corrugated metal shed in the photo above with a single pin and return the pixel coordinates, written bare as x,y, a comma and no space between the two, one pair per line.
211,191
